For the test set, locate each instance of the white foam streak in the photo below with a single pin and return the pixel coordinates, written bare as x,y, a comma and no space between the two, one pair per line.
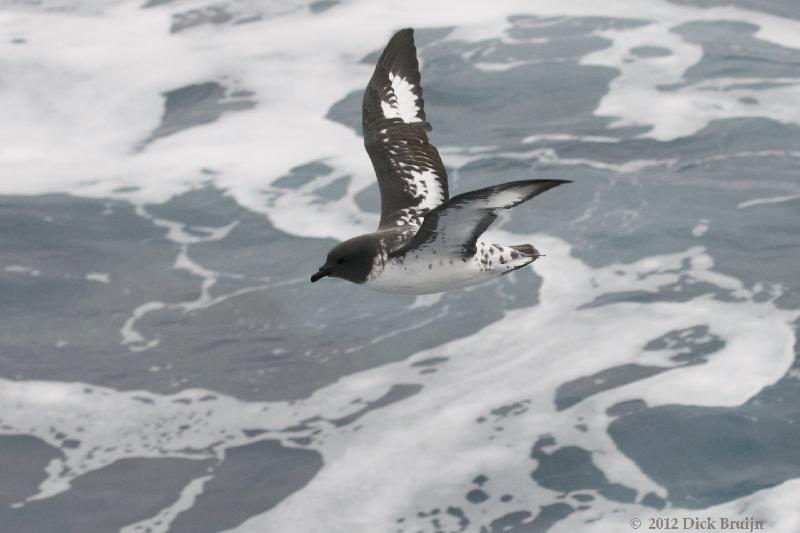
160,523
558,137
131,337
771,200
637,99
701,227
20,269
99,277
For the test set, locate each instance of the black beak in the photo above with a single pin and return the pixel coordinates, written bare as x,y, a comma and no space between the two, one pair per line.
319,275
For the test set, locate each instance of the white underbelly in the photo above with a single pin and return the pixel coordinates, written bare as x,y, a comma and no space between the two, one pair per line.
426,274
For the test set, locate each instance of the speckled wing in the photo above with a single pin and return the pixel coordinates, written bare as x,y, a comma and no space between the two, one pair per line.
453,228
411,176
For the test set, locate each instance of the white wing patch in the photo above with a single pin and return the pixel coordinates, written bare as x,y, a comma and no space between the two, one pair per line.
426,185
402,103
505,199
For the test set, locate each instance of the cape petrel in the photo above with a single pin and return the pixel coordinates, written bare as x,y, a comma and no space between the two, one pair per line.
426,242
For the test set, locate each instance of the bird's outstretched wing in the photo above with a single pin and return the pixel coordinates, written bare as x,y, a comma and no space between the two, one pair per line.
411,176
454,227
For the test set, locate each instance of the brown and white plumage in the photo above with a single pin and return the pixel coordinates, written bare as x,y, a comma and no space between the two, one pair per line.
411,176
426,241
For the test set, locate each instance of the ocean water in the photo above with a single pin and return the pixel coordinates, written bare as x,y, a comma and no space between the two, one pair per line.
172,172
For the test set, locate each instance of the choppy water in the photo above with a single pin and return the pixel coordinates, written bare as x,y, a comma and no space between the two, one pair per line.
173,171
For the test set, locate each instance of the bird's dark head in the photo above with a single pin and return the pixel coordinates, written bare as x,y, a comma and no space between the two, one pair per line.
351,260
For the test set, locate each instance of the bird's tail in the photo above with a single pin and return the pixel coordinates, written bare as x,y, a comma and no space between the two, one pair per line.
521,255
526,249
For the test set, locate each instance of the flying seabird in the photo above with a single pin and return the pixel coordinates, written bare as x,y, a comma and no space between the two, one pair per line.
426,242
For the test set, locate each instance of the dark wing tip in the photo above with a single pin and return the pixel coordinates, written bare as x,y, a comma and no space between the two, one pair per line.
401,54
549,184
540,183
546,185
405,35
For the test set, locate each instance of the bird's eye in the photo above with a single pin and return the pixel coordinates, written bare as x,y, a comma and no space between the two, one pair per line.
340,261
